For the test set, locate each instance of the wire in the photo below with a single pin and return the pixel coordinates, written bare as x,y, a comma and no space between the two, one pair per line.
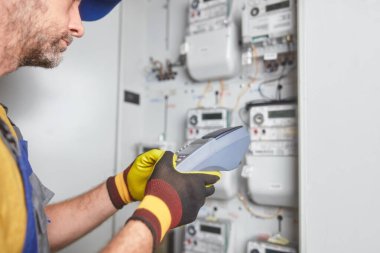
252,79
273,81
158,66
259,89
216,98
254,213
279,85
221,93
278,80
231,12
243,119
205,91
166,116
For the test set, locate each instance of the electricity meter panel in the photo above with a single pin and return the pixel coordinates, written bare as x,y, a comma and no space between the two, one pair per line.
264,19
270,27
264,247
207,15
273,129
203,236
203,121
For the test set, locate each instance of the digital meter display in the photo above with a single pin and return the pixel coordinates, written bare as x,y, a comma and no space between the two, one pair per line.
212,116
278,6
282,114
210,229
273,251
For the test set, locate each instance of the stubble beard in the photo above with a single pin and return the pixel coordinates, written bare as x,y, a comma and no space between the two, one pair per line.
34,40
44,48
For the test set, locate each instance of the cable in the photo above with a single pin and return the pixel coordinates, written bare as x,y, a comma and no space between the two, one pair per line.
282,75
272,82
279,85
166,102
254,213
222,91
205,91
242,118
216,98
252,79
231,10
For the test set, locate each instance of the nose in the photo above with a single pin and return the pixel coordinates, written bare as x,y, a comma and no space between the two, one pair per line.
75,24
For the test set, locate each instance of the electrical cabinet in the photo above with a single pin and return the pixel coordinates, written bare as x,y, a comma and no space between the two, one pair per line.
338,153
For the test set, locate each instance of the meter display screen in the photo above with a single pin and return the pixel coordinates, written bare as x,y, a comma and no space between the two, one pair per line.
278,6
212,116
273,251
210,229
282,114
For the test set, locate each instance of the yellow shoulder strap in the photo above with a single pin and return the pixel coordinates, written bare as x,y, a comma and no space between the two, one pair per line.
13,213
4,118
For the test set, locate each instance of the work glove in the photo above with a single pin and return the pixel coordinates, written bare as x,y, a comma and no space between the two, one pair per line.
173,198
129,185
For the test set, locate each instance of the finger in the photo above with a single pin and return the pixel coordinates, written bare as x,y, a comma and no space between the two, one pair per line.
207,177
210,189
141,170
211,177
174,160
166,161
149,158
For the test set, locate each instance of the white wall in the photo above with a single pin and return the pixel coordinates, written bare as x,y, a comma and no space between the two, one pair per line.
339,125
69,117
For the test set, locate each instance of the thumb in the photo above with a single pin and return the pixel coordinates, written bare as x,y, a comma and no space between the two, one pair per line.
149,158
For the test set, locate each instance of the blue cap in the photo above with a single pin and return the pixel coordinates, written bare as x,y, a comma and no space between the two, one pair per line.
91,10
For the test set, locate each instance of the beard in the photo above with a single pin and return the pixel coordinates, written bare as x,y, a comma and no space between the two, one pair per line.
43,48
33,38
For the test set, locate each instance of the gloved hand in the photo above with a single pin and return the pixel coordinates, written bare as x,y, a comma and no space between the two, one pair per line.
129,185
173,198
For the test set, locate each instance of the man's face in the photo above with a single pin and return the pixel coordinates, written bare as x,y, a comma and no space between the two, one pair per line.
48,28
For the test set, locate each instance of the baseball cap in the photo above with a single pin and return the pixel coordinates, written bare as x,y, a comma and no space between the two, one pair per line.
91,10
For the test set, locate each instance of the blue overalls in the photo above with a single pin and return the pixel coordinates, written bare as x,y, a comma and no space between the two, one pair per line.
36,198
35,193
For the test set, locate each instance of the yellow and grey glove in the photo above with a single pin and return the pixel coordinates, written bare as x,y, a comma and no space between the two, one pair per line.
129,185
173,198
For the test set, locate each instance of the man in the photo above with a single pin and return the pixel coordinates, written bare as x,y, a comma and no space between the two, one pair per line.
36,33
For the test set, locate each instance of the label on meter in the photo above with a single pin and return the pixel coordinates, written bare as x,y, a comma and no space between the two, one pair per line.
271,24
205,15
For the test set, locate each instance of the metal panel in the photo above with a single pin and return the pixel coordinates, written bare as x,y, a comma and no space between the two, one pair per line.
339,125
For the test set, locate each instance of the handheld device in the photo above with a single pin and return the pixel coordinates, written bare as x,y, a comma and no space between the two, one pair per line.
219,150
